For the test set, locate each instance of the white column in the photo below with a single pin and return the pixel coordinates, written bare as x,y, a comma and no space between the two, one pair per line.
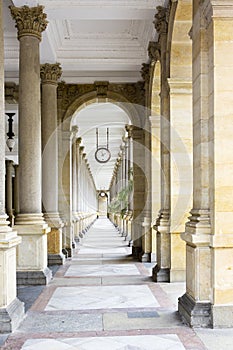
30,224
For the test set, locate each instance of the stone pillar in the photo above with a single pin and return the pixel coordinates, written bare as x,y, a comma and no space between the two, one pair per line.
74,181
181,171
155,178
16,189
208,300
67,191
9,191
129,129
77,182
11,309
32,253
161,272
50,73
139,190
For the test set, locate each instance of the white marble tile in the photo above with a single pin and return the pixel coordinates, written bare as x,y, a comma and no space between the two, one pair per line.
101,297
102,250
102,270
140,342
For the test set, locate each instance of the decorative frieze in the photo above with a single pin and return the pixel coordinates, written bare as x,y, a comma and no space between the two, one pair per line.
29,20
50,73
133,92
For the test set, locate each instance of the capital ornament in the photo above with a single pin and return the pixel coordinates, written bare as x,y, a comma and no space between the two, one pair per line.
50,73
29,20
161,20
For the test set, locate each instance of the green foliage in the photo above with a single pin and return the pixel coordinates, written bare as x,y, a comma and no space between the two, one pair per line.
119,204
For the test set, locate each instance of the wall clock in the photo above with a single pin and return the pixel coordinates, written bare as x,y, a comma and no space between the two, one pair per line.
102,154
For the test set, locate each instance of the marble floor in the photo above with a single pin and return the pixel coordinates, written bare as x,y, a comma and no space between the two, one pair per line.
103,299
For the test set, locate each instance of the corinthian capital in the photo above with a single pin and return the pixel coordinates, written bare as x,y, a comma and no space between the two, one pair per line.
161,20
29,20
50,73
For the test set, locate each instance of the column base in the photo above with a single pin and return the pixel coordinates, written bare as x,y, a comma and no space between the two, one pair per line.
136,252
195,314
56,259
65,252
11,316
69,252
144,257
160,274
28,278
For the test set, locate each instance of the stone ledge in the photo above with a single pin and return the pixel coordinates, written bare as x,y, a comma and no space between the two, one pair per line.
56,259
160,274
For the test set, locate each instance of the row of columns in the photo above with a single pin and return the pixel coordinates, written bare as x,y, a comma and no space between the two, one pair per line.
43,214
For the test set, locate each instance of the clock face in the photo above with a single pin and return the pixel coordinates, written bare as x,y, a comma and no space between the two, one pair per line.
102,155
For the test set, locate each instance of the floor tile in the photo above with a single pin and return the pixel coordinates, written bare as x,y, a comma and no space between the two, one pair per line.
102,270
101,297
143,342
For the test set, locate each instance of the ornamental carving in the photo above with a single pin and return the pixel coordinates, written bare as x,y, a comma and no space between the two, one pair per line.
161,20
145,72
11,93
132,92
50,73
154,51
29,20
101,88
68,93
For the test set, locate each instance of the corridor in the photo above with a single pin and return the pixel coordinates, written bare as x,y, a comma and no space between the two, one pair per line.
103,299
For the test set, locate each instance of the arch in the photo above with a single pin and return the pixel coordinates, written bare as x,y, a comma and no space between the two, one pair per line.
134,111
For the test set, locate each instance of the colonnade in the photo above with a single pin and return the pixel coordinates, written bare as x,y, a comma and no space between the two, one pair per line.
186,141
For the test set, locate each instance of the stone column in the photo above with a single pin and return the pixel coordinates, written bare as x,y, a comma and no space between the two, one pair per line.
77,205
161,272
67,191
139,189
32,253
9,191
74,180
155,178
208,300
181,171
50,73
129,129
16,189
12,310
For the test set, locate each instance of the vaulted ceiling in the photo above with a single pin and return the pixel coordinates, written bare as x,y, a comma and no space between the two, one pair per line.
93,40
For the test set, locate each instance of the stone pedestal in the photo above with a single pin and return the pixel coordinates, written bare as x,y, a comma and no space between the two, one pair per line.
161,272
54,239
11,309
32,253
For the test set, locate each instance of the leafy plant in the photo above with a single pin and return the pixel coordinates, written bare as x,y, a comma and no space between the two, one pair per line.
119,204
